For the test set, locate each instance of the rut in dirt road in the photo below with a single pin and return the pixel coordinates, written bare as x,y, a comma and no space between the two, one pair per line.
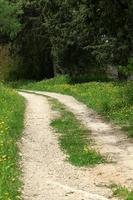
109,140
46,174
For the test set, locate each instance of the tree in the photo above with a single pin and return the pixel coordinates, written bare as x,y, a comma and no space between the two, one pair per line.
74,36
32,45
9,23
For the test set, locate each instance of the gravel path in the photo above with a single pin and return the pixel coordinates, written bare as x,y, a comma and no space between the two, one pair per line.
46,174
109,141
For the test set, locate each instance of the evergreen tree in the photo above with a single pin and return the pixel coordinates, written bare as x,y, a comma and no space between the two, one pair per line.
9,23
75,37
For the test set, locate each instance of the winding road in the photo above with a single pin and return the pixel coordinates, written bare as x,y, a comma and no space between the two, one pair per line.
46,173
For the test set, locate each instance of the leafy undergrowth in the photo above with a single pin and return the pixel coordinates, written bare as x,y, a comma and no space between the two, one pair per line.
112,99
122,192
73,138
11,125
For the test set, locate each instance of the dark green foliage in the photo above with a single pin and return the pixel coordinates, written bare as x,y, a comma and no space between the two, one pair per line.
126,71
32,45
74,37
9,23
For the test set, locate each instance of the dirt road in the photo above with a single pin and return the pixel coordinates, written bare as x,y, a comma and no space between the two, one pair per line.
46,174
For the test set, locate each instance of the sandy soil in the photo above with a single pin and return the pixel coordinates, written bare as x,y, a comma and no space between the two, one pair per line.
46,174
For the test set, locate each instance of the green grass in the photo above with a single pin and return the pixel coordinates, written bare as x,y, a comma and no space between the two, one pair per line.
11,125
73,138
111,99
122,192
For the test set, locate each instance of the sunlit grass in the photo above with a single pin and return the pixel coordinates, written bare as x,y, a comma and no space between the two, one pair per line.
112,99
11,124
74,138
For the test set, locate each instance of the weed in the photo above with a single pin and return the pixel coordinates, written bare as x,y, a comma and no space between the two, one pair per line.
122,192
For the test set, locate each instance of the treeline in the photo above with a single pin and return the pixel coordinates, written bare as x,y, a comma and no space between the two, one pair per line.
77,37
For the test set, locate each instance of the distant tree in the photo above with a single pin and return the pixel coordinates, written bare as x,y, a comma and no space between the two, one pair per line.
86,33
74,36
32,45
9,23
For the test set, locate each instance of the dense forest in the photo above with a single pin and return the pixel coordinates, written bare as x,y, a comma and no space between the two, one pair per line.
82,37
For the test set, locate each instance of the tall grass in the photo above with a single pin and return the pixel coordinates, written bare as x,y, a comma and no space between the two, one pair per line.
11,124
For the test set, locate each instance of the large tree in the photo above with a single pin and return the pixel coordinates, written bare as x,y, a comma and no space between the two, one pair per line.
74,36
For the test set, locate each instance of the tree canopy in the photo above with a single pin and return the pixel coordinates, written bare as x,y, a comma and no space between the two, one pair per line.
74,37
9,22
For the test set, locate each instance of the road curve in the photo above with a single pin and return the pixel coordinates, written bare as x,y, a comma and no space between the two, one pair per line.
109,140
46,174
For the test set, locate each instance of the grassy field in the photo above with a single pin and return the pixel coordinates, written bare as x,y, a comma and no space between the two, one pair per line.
111,99
11,125
73,138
